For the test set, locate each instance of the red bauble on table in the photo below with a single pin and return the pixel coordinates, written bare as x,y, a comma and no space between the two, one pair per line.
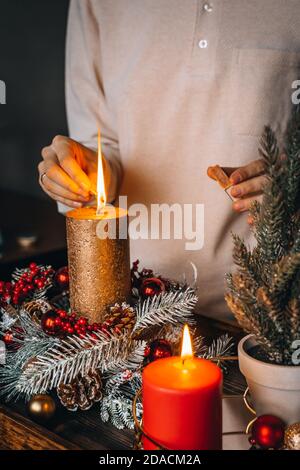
50,323
62,278
158,349
152,286
267,432
8,338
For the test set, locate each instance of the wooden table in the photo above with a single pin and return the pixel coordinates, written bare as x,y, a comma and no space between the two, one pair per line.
84,429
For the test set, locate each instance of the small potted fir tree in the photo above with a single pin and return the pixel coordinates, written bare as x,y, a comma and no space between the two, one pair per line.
264,292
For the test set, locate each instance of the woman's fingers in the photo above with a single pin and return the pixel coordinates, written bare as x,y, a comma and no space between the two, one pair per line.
254,168
243,205
50,167
67,151
250,186
55,188
63,200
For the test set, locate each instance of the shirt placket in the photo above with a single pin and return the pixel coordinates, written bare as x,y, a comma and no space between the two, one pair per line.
205,39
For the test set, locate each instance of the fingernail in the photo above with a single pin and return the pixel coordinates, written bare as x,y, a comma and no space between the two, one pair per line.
235,192
77,204
235,178
238,206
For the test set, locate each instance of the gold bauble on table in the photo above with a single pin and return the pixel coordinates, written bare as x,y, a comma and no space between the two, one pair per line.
41,407
292,437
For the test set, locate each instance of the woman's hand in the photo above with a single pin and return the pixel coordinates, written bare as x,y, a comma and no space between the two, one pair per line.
68,171
248,184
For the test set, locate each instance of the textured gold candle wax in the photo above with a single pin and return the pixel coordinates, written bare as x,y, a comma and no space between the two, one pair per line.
99,268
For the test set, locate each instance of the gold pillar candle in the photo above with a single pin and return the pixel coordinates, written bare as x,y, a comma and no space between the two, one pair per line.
99,267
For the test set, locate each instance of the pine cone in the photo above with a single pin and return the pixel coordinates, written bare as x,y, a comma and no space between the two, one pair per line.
82,392
120,319
36,309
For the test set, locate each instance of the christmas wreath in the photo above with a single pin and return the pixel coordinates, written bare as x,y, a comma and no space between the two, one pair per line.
49,347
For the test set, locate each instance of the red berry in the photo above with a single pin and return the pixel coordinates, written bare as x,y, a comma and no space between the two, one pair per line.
2,286
6,297
82,321
57,321
32,266
90,328
70,330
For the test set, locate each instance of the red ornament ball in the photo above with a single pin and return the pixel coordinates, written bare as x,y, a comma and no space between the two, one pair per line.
8,338
159,349
62,278
49,323
152,286
268,432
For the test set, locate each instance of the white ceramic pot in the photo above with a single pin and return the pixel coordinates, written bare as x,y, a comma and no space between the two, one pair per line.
274,389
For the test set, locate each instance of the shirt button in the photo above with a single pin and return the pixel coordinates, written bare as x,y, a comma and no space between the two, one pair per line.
208,7
203,43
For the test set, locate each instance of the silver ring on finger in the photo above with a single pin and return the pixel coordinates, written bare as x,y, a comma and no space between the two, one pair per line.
42,177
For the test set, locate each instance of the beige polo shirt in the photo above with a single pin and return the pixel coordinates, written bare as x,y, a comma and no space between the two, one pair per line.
178,85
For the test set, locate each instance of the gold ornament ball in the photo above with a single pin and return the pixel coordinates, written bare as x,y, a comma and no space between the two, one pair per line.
292,437
41,407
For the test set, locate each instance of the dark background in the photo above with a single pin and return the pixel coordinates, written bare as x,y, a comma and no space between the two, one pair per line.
32,50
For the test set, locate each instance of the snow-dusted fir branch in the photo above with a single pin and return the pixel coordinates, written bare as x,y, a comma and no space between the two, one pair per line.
170,307
116,405
220,347
63,362
7,321
118,410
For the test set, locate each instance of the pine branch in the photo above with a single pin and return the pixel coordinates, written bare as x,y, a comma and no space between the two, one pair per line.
292,151
221,346
116,405
170,307
272,228
292,318
118,410
251,322
243,259
62,362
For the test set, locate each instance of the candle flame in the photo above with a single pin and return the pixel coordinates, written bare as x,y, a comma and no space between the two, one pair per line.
101,195
186,349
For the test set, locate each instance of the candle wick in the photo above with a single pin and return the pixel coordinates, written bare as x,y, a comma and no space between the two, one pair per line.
183,361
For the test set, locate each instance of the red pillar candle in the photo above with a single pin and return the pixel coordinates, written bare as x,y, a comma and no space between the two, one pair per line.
182,402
